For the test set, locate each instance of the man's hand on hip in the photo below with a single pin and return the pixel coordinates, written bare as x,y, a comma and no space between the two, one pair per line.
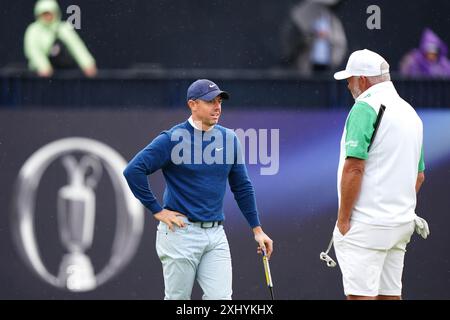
343,226
170,218
264,242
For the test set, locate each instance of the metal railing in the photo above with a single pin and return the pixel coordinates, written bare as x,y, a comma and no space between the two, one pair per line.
167,88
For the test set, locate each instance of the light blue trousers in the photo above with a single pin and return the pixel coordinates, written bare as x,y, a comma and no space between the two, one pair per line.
194,253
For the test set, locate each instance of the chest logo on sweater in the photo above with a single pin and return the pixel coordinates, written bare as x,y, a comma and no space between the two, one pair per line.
60,220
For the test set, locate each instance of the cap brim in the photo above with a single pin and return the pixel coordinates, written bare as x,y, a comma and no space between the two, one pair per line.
341,75
211,95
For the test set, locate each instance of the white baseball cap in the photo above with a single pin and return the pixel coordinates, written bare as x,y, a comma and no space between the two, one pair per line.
363,63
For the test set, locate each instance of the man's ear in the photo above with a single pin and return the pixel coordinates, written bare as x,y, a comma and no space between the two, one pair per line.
192,105
363,83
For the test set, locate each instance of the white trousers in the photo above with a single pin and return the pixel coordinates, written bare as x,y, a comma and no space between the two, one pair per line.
371,258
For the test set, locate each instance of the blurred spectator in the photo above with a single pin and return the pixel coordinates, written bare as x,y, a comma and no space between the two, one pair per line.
51,44
313,39
429,60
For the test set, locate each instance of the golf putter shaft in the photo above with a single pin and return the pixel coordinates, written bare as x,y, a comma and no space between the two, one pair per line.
267,272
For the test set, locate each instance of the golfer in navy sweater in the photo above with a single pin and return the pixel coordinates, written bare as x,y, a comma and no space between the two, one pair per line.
197,157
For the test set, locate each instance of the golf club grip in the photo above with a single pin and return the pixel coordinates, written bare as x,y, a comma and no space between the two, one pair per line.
267,271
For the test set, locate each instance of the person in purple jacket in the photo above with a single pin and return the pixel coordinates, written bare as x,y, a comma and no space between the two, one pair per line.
429,60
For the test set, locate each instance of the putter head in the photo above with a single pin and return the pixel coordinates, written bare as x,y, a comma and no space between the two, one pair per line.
325,257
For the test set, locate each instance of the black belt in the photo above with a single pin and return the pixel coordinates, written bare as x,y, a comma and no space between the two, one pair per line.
207,224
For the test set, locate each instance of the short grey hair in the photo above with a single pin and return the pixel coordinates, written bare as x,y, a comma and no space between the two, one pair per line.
381,78
384,76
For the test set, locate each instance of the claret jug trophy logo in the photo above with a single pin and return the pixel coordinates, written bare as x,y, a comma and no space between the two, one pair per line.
85,161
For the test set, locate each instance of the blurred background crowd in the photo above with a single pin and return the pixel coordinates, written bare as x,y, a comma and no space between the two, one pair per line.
308,36
281,46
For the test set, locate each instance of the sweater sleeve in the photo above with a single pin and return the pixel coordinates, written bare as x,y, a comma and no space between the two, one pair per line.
242,188
36,55
76,46
153,157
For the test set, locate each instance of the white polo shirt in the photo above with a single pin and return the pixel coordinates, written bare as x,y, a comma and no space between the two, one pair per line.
388,195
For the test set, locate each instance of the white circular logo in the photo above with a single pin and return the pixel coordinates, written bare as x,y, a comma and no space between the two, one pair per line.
76,212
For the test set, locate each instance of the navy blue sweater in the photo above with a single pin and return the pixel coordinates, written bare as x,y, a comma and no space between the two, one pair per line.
193,187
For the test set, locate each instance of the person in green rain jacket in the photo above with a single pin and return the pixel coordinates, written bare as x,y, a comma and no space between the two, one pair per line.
51,44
